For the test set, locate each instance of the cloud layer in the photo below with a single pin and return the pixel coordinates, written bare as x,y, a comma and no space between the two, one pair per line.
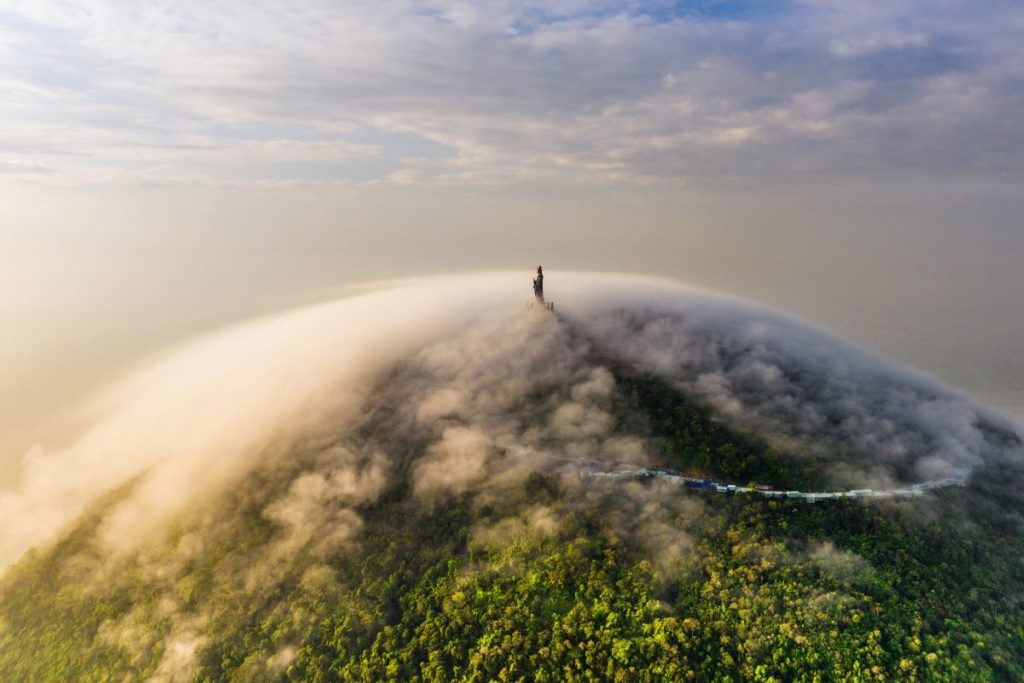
457,92
479,390
288,431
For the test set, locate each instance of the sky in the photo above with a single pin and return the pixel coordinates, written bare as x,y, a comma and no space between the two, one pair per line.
169,167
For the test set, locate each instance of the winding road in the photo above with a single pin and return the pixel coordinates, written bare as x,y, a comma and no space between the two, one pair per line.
592,469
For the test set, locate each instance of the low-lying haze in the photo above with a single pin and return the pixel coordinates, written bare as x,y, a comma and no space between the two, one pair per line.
170,168
473,352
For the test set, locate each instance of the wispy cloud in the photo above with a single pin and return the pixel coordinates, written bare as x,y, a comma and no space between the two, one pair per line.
576,91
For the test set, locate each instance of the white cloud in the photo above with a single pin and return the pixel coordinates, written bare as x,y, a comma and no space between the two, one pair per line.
578,92
494,389
454,464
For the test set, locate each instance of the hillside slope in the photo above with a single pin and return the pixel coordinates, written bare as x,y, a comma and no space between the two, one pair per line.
444,535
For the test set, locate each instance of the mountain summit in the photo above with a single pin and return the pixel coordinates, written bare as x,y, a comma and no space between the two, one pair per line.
372,491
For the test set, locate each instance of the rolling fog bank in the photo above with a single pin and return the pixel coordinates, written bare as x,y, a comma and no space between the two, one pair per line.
191,422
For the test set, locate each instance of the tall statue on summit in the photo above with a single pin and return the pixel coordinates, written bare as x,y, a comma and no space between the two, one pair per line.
538,285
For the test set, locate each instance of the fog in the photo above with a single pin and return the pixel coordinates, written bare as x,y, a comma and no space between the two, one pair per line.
79,309
471,352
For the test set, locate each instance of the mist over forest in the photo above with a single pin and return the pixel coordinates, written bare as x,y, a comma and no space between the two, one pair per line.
387,487
272,407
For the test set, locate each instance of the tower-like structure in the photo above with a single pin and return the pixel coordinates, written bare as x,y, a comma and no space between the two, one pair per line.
538,289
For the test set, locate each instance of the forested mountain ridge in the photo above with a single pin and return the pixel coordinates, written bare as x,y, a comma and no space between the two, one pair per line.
437,538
